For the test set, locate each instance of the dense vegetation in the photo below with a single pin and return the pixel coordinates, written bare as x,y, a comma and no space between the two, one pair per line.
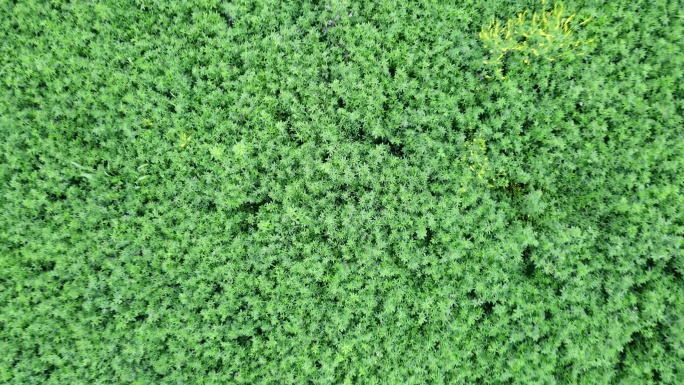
288,192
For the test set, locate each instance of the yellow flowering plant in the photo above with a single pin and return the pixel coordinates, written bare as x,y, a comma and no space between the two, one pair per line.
549,34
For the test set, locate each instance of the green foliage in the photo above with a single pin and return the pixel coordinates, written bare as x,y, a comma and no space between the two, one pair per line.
288,192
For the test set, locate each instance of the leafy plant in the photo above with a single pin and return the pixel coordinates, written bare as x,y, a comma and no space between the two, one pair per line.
254,191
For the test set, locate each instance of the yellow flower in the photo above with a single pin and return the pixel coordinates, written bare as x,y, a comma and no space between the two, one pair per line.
586,21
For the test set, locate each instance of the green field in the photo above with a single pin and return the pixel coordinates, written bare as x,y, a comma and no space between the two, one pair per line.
377,192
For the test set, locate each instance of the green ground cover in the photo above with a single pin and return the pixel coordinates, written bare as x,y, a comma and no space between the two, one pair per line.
341,192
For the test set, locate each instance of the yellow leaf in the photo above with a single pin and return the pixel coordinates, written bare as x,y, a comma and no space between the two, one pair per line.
184,139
